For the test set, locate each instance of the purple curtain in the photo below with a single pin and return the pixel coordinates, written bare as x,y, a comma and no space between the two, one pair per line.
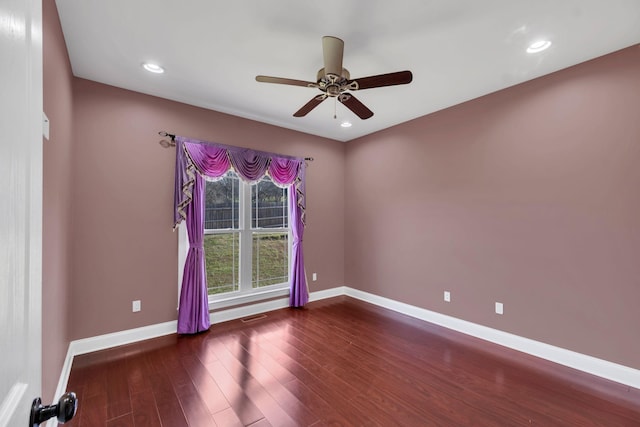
193,312
184,177
196,158
298,292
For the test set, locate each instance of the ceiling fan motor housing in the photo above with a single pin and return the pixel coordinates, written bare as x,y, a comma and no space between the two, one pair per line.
334,85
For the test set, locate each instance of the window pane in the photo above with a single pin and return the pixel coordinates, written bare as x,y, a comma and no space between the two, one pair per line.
270,259
221,203
222,257
269,205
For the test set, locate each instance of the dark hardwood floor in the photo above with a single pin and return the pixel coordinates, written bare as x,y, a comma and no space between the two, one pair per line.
337,362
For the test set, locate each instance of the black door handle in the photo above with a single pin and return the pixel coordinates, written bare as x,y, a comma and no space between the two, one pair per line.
65,409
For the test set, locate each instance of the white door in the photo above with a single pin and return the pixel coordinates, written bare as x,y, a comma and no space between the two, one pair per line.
20,208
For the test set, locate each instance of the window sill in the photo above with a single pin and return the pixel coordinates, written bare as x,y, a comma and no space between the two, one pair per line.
242,299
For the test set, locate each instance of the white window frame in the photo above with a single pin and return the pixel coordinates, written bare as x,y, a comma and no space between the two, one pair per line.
246,293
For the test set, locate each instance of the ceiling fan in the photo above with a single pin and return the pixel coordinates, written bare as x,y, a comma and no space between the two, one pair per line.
335,81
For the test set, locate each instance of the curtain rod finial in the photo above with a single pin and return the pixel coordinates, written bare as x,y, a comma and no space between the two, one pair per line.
167,144
165,133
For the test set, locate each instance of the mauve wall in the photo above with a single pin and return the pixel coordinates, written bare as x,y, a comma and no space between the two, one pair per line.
57,163
529,196
123,244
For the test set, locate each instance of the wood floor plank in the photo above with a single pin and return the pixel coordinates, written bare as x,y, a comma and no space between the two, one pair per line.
121,421
262,423
94,412
193,406
244,341
329,414
138,374
96,381
369,398
338,362
308,364
239,347
167,403
118,398
204,383
227,418
244,407
144,409
326,385
234,365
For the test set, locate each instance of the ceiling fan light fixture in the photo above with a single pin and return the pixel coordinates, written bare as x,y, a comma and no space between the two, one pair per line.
346,124
538,46
153,68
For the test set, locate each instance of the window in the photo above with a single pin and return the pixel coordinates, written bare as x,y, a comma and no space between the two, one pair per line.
246,236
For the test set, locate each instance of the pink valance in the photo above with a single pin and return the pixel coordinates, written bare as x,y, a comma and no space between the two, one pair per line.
214,160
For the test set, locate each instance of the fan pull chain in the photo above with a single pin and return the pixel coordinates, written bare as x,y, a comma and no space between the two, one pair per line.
335,106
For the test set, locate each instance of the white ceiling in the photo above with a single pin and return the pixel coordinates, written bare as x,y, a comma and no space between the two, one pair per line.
457,50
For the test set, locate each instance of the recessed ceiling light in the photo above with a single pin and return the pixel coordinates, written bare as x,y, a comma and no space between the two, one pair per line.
153,68
345,124
538,46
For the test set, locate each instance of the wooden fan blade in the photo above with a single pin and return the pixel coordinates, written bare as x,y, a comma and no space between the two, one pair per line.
352,103
283,81
306,108
333,50
390,79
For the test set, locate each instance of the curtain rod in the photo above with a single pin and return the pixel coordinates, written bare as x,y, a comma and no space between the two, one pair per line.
167,144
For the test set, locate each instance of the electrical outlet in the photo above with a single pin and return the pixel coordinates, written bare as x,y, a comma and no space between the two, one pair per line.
314,277
447,296
499,308
136,306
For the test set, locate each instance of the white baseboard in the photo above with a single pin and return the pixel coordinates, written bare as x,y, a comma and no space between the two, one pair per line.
599,367
247,310
102,342
328,293
602,368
